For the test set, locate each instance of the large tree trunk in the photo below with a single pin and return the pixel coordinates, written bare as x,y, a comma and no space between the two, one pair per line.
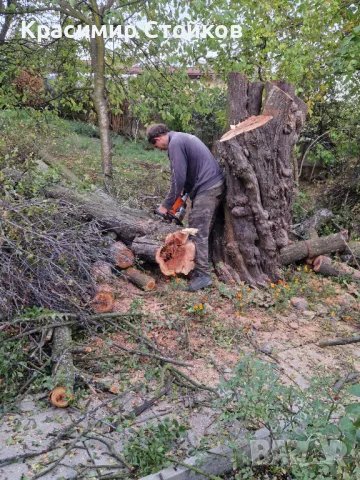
256,157
141,232
144,235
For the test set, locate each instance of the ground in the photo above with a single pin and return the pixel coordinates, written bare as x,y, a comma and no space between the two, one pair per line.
210,331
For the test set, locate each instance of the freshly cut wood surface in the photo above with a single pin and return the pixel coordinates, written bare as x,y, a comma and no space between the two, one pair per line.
177,255
122,255
103,302
59,398
250,124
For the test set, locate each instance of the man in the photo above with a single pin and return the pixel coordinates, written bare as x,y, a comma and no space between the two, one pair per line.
194,170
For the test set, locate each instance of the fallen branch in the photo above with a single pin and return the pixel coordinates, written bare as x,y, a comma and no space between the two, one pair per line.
193,384
349,378
151,355
112,452
142,408
63,368
315,222
341,341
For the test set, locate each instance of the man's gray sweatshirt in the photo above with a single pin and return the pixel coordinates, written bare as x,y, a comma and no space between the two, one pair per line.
193,167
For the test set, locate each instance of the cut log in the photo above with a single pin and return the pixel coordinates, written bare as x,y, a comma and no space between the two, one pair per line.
103,302
312,248
140,279
256,157
141,232
177,255
326,267
63,370
128,224
101,271
122,255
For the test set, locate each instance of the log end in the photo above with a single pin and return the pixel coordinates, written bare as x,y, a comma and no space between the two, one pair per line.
176,258
101,271
103,302
123,256
59,397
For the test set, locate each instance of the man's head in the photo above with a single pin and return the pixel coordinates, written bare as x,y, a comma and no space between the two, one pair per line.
158,135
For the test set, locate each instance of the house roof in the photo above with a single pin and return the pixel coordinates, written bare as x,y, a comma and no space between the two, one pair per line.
192,72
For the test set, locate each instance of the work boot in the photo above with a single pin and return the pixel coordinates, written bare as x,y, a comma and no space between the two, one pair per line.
199,280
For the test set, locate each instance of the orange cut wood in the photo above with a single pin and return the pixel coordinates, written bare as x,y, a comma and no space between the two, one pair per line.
59,397
123,256
249,124
103,302
177,255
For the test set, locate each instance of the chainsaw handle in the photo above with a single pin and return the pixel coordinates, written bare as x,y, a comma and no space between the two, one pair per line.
169,217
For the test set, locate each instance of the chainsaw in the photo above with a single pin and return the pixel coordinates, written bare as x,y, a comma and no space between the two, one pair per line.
177,212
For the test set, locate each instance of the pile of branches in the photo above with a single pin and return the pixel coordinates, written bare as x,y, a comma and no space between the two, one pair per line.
46,254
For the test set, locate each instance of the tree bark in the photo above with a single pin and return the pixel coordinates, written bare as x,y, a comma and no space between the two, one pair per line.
97,52
256,157
313,248
63,367
138,230
140,279
326,267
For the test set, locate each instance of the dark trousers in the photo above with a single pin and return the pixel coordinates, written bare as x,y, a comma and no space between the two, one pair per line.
202,217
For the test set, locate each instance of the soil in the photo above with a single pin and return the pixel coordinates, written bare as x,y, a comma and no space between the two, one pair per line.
226,324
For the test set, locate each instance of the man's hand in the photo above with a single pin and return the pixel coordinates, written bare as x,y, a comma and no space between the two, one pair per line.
162,210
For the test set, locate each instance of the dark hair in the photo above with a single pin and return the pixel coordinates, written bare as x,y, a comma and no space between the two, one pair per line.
156,130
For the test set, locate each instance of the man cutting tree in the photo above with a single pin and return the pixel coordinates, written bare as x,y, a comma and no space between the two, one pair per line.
194,170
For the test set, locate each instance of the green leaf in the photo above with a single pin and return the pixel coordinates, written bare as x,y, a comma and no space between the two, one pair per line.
353,409
355,390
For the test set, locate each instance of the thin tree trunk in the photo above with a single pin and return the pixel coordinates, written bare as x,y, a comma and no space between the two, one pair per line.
97,50
63,368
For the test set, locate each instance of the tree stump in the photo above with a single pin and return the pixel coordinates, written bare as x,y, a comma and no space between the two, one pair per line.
256,158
